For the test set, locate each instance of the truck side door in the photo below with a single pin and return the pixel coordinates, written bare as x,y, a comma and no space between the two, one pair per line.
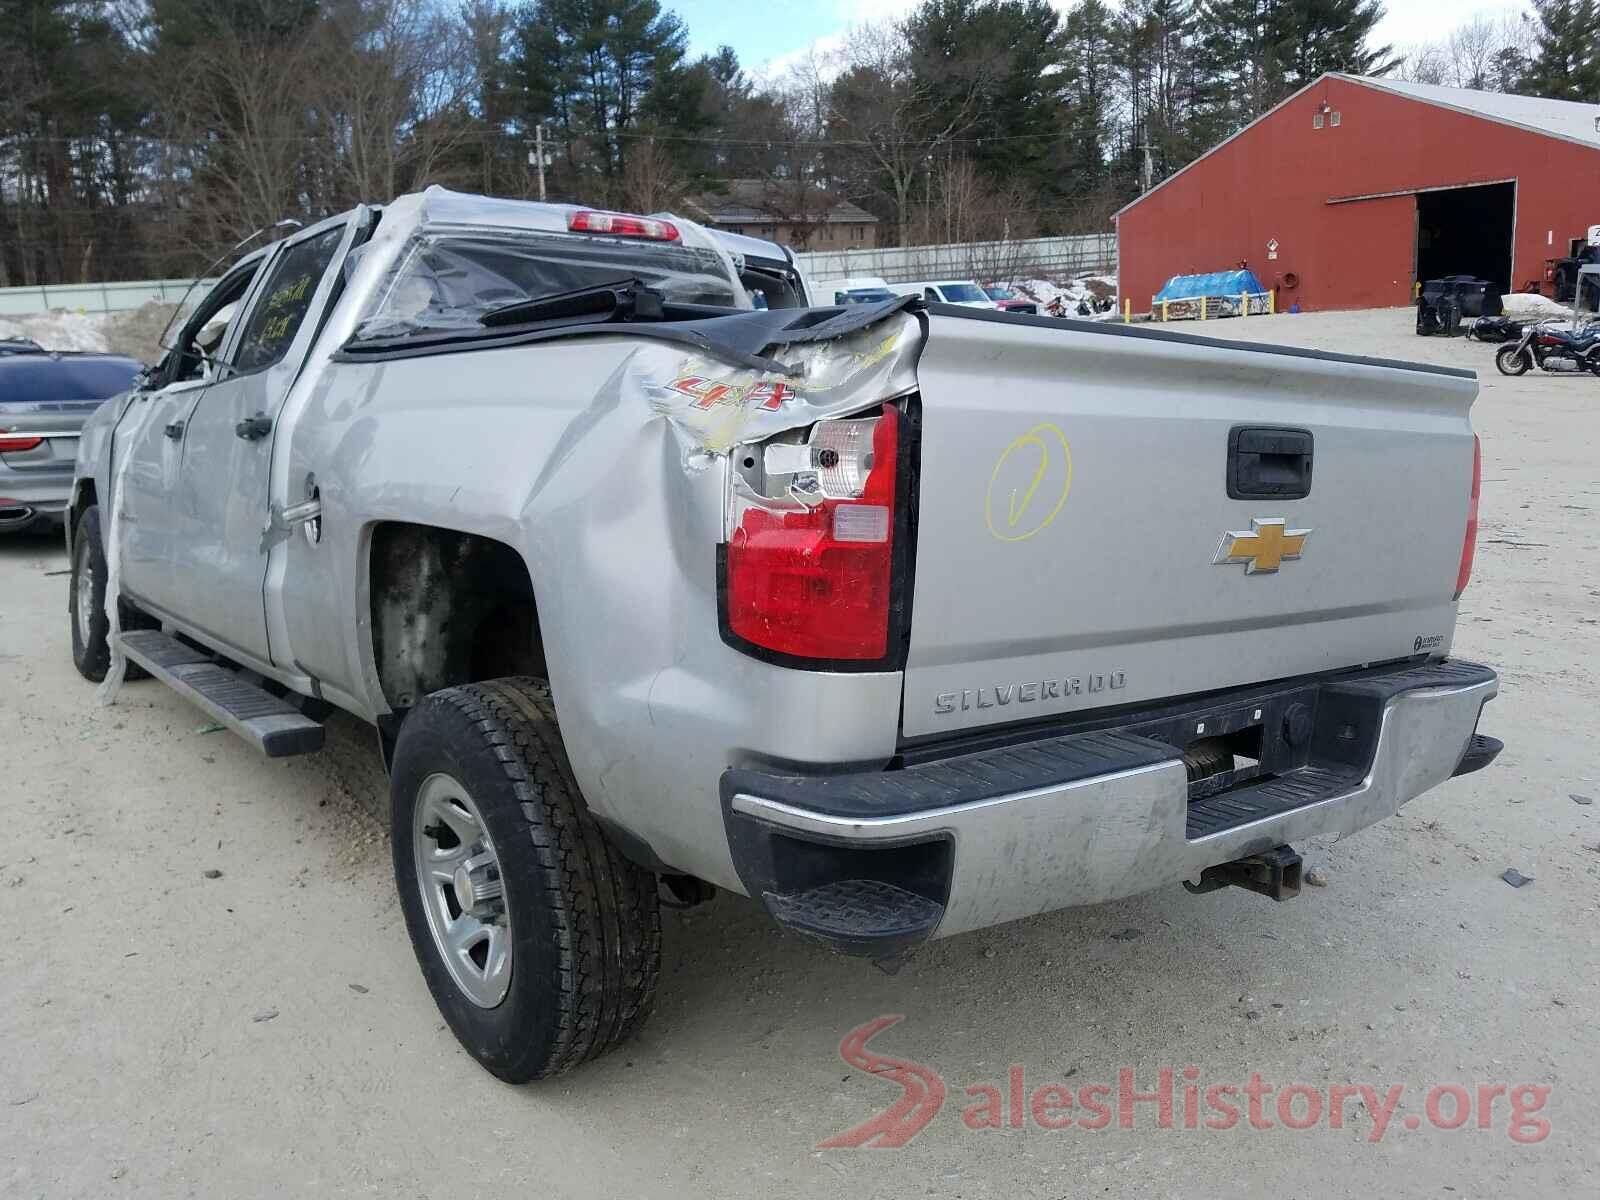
148,450
220,560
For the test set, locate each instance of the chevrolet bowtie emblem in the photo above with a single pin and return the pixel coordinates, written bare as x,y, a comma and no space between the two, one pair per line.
1263,546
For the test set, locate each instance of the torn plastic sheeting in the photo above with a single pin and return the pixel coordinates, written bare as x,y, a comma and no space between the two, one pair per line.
128,433
721,405
447,279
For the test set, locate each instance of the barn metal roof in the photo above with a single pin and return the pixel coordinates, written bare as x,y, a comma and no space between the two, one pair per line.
1569,120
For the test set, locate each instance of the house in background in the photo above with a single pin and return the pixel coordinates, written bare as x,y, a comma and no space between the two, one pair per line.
806,220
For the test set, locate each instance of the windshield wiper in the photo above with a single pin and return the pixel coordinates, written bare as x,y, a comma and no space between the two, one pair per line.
619,300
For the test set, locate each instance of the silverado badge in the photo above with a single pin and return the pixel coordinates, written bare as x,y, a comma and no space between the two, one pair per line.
1263,546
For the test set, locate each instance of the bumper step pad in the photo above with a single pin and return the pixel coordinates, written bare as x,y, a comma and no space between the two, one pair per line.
1216,814
1481,751
859,916
273,726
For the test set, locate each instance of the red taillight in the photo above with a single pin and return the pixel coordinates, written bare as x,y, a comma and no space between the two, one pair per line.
1469,544
817,582
15,444
621,225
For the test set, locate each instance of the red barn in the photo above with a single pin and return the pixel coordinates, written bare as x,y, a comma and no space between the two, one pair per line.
1353,189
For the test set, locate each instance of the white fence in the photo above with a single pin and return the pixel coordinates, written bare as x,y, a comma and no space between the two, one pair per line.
90,297
983,261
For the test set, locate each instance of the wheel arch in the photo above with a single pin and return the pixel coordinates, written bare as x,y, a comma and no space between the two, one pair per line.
447,608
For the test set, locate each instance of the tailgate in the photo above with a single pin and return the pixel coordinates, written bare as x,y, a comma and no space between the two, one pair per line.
1074,501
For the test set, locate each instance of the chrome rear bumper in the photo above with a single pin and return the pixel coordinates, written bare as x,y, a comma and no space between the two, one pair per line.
1092,835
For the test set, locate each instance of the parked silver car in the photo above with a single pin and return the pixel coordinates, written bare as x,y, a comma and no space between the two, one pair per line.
44,399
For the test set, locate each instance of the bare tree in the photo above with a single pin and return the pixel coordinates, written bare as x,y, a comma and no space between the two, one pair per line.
650,180
885,124
992,222
1484,53
402,69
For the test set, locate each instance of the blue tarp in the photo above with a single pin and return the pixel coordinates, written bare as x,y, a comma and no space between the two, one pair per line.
1216,284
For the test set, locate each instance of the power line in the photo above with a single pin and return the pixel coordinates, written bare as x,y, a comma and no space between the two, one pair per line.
513,140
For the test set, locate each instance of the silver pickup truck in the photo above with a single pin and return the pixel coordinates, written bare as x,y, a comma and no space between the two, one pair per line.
903,620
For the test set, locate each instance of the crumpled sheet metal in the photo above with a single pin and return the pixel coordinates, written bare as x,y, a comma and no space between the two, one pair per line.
722,405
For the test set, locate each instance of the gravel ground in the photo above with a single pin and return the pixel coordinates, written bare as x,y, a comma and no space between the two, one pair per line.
266,1031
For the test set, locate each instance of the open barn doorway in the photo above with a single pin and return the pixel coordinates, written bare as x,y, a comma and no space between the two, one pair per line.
1467,231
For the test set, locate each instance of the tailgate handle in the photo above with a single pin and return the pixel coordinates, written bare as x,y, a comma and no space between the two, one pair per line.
1268,463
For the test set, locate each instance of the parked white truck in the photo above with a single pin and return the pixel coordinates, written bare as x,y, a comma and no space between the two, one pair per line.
904,620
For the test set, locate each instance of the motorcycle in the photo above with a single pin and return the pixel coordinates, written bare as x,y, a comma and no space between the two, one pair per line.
1553,349
1494,329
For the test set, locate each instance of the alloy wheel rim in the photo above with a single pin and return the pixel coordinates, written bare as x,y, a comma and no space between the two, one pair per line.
458,874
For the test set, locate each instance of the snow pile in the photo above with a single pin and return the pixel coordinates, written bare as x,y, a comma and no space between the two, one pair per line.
136,332
1526,306
1087,288
60,330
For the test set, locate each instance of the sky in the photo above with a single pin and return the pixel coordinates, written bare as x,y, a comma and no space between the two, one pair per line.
769,34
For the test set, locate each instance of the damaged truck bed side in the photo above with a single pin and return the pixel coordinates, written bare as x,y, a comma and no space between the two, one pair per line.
902,620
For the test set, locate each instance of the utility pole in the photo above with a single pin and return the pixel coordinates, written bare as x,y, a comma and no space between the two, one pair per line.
536,156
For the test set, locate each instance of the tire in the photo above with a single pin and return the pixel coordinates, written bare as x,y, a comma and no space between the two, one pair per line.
584,925
86,609
1511,361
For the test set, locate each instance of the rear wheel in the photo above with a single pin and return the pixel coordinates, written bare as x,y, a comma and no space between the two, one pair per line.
91,630
1511,360
540,942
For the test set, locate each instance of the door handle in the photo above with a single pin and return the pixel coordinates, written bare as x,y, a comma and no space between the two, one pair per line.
252,428
1269,463
282,522
299,514
175,430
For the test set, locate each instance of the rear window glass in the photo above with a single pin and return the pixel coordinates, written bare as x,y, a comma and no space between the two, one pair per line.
44,380
962,293
446,281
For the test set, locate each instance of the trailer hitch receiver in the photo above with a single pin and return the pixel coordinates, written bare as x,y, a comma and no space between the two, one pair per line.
1274,873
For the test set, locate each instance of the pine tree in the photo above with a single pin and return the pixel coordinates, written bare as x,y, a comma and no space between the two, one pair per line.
1313,36
1163,85
589,66
1259,51
1566,58
1239,44
1087,49
991,68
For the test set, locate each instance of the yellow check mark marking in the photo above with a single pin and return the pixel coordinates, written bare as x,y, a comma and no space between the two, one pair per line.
1023,514
1014,511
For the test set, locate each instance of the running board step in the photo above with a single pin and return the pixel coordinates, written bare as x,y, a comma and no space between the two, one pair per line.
271,725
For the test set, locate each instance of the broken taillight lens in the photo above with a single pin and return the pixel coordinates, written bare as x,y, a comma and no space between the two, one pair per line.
1469,544
810,573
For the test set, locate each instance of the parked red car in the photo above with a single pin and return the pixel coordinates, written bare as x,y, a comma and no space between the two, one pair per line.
1010,299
